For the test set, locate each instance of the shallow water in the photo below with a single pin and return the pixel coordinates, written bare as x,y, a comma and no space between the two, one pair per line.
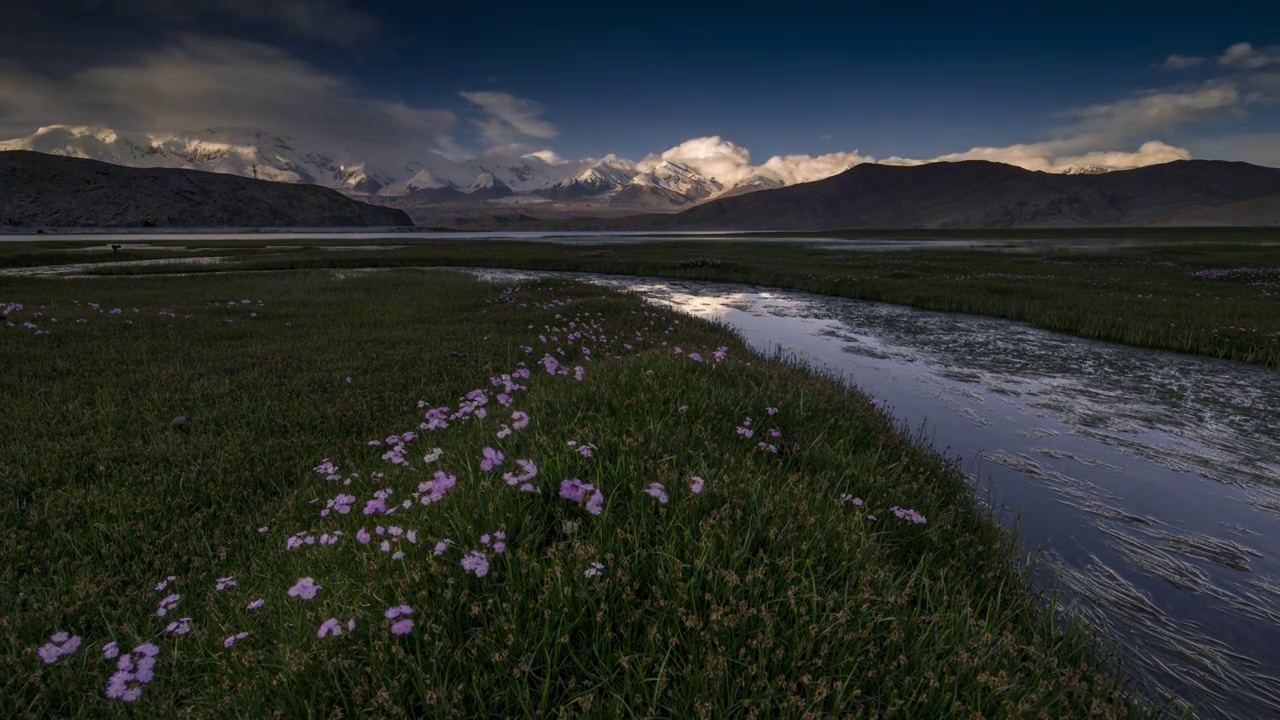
1151,480
153,240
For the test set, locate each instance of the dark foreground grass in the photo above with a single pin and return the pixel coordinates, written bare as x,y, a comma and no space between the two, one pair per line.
1208,294
765,595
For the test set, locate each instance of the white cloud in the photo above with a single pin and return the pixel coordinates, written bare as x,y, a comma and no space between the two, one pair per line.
730,164
1244,56
1181,62
550,157
711,157
1042,156
199,83
1121,122
508,118
792,169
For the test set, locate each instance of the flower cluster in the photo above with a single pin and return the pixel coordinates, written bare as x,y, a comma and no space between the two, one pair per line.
60,645
912,516
576,491
133,670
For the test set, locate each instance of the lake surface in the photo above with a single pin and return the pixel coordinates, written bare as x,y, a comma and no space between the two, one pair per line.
381,239
1150,480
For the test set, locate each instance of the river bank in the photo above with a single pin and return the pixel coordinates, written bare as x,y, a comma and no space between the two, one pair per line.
1217,298
766,536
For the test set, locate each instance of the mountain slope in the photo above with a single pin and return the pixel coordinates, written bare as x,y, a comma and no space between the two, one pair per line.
979,194
38,189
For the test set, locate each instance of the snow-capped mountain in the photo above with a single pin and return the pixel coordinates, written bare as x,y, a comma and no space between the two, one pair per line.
599,178
680,179
1088,170
487,186
424,176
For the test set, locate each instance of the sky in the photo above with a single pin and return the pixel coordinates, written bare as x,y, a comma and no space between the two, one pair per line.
1042,85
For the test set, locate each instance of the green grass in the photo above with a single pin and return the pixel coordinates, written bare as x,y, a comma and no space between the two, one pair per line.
1153,293
764,596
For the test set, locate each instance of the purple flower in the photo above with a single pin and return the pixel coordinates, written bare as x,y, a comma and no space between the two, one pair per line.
593,569
657,492
528,472
695,357
492,459
476,562
306,588
519,420
392,613
574,490
60,644
435,489
910,515
441,547
224,583
330,627
402,626
160,586
595,504
181,626
255,604
167,604
231,639
771,410
696,484
579,373
110,650
683,408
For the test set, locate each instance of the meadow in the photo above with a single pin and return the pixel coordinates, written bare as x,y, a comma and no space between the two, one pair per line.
412,494
1207,292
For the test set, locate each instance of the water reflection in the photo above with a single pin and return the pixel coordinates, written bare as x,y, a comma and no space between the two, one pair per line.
1150,479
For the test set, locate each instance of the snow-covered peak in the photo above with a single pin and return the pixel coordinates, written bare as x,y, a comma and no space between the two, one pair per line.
1087,170
678,178
483,181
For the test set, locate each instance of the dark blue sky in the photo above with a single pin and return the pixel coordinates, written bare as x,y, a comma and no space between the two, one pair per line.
909,79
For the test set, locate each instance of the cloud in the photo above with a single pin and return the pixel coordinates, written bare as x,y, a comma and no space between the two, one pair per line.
1042,156
332,21
200,83
729,163
508,118
791,169
711,157
1119,122
1181,62
550,157
1244,56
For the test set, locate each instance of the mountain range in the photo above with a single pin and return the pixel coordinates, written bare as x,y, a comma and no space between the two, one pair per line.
540,190
420,175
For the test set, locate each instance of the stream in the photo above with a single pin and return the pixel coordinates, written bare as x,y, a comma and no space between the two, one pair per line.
1148,481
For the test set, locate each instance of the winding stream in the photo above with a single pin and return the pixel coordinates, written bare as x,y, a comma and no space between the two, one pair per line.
1149,479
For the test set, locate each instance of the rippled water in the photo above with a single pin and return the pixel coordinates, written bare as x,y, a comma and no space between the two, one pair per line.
1151,480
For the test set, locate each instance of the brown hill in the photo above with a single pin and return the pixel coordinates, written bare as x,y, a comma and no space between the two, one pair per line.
52,191
979,194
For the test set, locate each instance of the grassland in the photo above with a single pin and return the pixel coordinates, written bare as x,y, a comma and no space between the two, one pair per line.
769,593
1186,292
